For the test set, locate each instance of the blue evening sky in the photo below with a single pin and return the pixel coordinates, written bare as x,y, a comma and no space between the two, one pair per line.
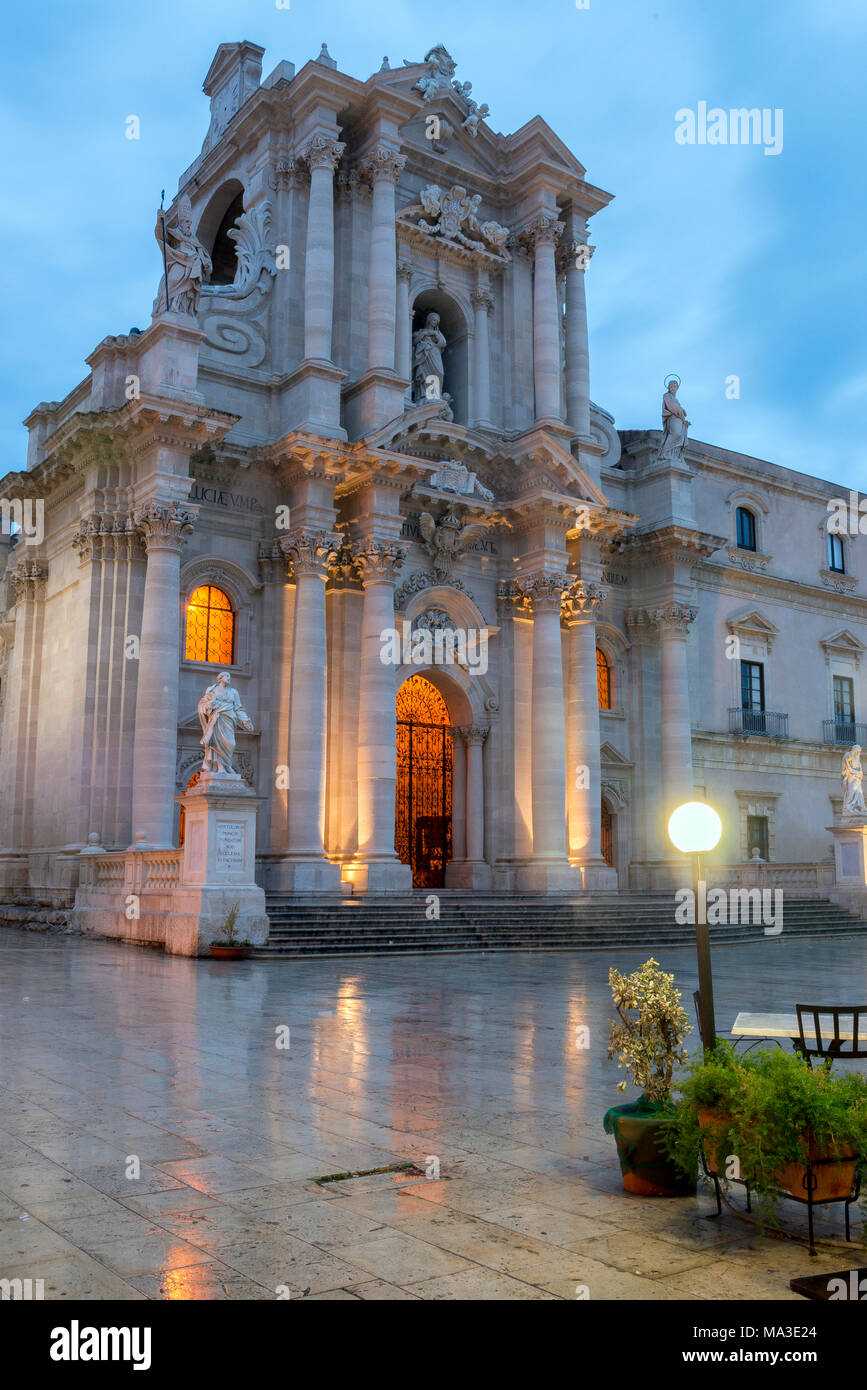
713,260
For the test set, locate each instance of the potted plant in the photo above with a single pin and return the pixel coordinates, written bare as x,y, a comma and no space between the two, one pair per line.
767,1120
232,948
647,1039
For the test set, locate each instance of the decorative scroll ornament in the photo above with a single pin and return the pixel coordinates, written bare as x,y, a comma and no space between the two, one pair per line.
256,268
447,539
453,215
426,579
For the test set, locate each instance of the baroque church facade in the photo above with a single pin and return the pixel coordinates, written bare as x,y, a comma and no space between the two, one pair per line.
485,640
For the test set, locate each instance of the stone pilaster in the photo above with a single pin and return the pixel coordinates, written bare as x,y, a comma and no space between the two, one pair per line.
164,525
20,722
583,772
403,331
483,305
278,622
577,257
673,621
376,867
305,867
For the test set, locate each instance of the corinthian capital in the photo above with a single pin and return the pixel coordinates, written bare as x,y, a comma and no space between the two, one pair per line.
674,617
384,163
311,552
28,580
544,231
165,525
322,153
379,562
582,601
545,591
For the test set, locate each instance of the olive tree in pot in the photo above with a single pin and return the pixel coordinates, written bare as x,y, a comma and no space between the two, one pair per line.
647,1038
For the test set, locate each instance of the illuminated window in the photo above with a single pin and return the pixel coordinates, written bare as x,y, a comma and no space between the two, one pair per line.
210,627
604,681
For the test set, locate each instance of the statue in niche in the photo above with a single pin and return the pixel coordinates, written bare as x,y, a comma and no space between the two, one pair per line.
189,264
852,776
429,344
674,424
220,714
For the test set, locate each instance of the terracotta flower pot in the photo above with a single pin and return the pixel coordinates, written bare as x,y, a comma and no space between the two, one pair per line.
231,952
646,1169
833,1180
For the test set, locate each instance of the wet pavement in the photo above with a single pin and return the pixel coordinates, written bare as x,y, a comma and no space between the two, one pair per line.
163,1122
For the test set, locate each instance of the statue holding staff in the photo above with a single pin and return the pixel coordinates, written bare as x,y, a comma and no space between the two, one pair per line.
220,713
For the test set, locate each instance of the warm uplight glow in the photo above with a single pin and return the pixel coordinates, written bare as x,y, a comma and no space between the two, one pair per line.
695,828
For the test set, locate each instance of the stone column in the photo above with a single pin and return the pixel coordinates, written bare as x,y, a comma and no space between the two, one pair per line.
483,305
384,166
673,622
305,868
459,797
322,156
549,869
278,622
474,738
403,348
577,350
164,526
583,771
376,867
545,233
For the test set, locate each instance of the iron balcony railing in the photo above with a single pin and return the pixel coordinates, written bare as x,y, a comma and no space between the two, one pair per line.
843,731
759,721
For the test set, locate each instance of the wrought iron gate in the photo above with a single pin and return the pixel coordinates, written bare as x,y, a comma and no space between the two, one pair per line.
423,801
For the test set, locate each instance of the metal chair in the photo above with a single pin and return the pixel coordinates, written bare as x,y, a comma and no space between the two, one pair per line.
826,1047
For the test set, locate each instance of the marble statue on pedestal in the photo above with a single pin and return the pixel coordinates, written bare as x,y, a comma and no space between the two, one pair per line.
220,713
189,264
674,425
852,776
429,344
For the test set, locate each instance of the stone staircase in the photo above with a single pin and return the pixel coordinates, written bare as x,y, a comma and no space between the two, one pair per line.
328,925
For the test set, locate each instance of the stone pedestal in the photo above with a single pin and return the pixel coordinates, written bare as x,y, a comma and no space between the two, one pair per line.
218,868
850,862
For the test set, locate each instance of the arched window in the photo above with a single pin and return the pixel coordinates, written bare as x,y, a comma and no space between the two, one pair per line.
746,528
210,627
604,680
836,554
225,253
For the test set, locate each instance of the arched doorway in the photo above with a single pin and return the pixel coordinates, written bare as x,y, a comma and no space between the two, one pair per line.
423,796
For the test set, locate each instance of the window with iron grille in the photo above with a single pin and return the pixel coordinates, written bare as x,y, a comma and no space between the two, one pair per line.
210,627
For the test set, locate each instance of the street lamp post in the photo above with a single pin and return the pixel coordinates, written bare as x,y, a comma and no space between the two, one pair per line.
695,829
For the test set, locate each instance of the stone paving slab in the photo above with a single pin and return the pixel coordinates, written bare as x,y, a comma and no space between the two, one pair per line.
107,1052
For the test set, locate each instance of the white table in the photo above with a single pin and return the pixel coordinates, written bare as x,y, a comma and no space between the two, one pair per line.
767,1025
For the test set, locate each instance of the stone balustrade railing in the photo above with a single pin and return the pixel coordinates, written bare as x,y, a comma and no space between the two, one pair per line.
811,880
132,870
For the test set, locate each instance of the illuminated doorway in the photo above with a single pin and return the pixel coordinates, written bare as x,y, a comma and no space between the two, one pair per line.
182,821
607,836
423,799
